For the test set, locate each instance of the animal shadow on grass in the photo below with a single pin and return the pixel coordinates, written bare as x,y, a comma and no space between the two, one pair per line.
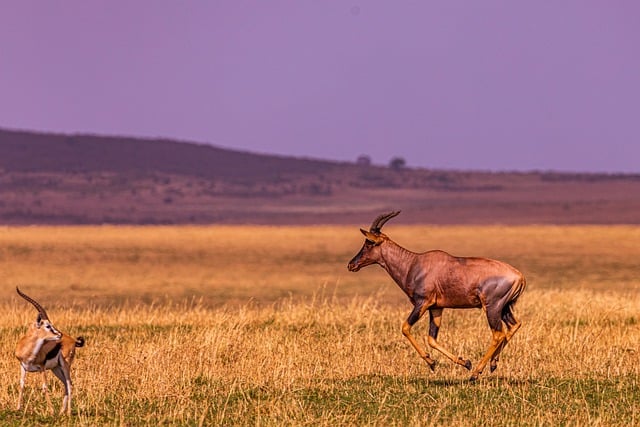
427,381
498,381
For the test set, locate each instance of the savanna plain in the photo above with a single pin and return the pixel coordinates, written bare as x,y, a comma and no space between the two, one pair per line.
226,325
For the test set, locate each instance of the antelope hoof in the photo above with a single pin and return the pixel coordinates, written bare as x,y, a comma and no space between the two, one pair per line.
431,363
474,377
465,363
493,366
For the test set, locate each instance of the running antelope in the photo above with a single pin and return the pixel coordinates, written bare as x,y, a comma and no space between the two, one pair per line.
45,347
435,280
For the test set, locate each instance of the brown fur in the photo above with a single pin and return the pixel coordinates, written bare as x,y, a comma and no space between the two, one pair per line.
43,347
435,280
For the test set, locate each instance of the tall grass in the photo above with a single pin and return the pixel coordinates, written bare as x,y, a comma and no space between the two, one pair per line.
264,326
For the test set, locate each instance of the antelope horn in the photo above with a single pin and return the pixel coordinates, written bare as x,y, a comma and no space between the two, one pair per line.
43,313
377,224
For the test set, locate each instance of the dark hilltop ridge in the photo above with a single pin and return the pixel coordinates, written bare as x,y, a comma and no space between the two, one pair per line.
88,179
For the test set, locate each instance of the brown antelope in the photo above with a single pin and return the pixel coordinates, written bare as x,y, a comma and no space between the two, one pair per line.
45,347
435,280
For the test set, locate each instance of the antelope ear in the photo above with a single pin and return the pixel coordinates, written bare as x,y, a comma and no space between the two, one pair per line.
375,238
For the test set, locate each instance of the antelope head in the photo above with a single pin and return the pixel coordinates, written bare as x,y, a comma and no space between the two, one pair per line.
42,328
374,238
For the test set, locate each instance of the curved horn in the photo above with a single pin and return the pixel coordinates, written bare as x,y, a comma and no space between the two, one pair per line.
377,224
43,313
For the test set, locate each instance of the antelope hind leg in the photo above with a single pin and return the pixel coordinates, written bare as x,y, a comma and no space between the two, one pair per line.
64,376
510,332
498,338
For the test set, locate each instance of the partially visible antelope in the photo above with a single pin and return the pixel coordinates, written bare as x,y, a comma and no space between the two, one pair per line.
435,280
45,347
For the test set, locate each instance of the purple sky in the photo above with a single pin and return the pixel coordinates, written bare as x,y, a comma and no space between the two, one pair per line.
497,85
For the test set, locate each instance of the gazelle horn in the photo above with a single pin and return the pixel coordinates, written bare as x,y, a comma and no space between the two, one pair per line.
43,313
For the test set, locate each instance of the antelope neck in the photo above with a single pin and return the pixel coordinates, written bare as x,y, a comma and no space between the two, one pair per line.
398,262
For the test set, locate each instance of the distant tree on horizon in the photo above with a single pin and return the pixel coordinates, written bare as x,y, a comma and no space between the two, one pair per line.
397,163
363,160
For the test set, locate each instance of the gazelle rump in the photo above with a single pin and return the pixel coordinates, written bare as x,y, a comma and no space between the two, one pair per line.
435,280
44,347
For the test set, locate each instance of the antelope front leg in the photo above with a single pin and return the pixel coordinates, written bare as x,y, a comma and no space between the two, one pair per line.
23,375
435,319
415,315
45,390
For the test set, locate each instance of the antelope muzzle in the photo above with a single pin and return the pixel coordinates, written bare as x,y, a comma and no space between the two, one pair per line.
354,265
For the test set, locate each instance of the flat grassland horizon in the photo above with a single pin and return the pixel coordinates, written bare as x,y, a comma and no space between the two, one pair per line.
249,325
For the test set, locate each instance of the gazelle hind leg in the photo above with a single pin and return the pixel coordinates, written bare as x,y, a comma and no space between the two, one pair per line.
63,375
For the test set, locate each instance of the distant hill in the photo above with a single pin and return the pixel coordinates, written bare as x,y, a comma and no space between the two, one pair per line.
36,152
87,179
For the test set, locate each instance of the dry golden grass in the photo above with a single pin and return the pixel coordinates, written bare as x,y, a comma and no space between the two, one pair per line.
265,326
